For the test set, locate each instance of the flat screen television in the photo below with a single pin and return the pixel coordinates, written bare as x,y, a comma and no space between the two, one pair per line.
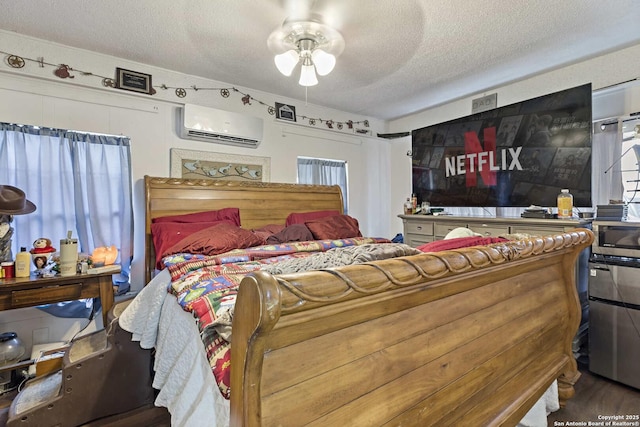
514,156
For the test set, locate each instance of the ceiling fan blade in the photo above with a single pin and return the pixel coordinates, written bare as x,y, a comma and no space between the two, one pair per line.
299,10
329,12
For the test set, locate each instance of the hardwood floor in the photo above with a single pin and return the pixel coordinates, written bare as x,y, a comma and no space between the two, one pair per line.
148,416
595,397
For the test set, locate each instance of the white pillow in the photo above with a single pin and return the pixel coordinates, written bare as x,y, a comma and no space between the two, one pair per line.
460,232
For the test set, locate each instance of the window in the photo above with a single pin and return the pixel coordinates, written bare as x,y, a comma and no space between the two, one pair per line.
630,166
325,172
79,182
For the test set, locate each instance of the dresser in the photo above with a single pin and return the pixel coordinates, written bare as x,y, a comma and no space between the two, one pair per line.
421,229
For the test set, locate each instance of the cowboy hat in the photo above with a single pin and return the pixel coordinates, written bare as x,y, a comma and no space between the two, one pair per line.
14,202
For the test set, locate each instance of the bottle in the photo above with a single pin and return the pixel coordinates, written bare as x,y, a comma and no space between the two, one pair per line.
408,207
565,204
425,208
414,203
23,263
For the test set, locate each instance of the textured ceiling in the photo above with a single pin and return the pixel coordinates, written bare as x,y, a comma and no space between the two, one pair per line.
400,56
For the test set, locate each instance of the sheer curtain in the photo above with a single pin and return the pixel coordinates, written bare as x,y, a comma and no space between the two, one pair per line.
324,172
78,181
606,175
630,165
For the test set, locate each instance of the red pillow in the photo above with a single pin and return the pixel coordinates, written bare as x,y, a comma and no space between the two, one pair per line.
229,214
334,227
268,230
292,233
215,240
459,242
302,217
167,234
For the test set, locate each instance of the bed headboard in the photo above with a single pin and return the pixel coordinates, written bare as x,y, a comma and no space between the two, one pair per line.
260,203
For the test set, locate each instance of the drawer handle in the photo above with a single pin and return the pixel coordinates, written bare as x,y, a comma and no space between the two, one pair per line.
419,227
486,233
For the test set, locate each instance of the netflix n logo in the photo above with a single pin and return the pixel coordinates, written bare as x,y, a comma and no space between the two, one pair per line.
484,159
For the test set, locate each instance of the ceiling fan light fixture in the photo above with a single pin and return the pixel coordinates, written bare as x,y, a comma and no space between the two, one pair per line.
324,62
308,73
312,43
287,61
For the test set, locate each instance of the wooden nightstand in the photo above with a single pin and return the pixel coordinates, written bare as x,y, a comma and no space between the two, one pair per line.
33,291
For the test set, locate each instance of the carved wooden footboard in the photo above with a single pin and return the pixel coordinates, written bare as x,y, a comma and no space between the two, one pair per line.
466,337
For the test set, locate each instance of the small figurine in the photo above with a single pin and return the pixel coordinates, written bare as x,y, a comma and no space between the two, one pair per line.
63,71
41,252
42,246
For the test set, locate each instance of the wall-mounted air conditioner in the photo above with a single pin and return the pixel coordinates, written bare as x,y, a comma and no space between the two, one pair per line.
224,127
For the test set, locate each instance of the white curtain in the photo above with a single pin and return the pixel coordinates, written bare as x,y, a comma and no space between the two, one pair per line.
79,182
324,172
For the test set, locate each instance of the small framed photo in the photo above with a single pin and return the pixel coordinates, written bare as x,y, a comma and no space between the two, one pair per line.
285,112
134,81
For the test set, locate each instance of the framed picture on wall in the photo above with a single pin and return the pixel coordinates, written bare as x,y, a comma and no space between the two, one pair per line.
133,81
285,112
219,166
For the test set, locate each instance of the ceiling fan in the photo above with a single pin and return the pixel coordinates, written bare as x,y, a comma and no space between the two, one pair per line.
305,37
323,34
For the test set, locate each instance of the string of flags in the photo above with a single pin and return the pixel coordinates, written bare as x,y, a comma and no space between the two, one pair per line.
141,83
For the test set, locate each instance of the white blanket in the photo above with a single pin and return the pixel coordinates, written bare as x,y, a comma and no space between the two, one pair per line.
182,372
548,403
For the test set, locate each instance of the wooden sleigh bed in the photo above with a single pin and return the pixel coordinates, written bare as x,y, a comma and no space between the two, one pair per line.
472,336
467,337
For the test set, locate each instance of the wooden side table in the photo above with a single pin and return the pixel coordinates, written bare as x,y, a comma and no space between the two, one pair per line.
33,291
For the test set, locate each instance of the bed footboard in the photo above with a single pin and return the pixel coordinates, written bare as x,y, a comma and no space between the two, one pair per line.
466,337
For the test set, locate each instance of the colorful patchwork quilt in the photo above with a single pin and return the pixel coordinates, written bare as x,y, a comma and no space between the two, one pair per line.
207,286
